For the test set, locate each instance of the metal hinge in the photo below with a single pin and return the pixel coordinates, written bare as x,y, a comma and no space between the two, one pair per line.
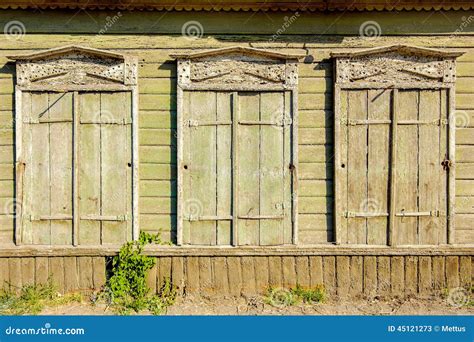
432,213
352,214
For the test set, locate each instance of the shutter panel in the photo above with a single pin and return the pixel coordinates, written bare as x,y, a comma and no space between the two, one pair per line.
421,201
47,142
105,168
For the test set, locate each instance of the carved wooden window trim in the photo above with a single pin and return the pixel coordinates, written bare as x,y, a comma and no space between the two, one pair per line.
208,71
83,69
387,68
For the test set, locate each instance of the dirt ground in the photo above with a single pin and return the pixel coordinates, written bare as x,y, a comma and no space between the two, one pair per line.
257,306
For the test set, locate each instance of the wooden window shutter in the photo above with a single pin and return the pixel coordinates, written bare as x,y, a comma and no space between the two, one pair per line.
237,148
76,148
394,146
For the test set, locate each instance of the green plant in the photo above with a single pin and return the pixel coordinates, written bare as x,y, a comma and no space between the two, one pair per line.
286,297
126,289
32,299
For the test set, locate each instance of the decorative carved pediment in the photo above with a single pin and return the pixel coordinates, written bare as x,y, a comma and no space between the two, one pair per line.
237,68
76,66
396,64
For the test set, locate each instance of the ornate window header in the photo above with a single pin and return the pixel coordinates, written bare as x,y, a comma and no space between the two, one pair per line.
398,64
237,68
75,67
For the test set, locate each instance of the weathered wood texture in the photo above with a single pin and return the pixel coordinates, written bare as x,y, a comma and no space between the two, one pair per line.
157,98
342,276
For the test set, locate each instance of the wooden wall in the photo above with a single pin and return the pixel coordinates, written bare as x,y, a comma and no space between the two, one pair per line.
342,275
152,36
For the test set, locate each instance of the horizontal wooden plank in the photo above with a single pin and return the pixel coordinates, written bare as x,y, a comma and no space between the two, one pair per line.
164,137
157,85
157,188
311,237
315,85
154,102
316,101
464,204
465,187
464,221
465,84
315,136
315,222
6,154
464,101
315,118
6,188
155,222
156,205
464,170
464,236
157,119
157,171
315,205
6,137
464,154
157,154
315,171
315,153
6,171
315,187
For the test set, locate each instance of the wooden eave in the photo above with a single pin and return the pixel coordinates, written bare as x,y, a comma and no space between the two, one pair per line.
243,5
67,49
237,49
402,49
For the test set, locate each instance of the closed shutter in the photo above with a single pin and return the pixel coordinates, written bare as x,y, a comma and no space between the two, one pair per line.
104,165
236,168
47,181
77,179
393,178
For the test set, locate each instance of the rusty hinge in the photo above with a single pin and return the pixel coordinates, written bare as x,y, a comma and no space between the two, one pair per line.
447,164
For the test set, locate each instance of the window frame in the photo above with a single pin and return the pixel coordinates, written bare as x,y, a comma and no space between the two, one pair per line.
348,64
289,82
124,79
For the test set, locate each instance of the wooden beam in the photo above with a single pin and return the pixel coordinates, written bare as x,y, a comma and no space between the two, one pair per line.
393,160
235,169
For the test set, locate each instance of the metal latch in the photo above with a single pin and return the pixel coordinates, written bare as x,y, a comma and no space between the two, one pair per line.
447,164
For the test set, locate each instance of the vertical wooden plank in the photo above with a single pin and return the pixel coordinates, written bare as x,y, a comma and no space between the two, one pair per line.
98,272
379,103
151,278
357,166
407,168
272,169
235,168
452,272
248,276
224,168
192,275
249,171
60,140
177,273
56,267
85,273
89,168
316,270
41,270
290,173
465,271
411,275
302,271
275,273
115,148
15,272
28,271
221,280
261,273
444,174
164,271
235,276
329,274
205,276
71,274
452,170
39,159
357,274
75,169
4,272
439,273
392,239
201,201
184,158
383,275
425,283
429,183
289,271
24,145
343,279
370,276
397,275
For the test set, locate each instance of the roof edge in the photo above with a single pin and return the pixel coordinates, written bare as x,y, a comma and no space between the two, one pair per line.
399,48
65,49
241,49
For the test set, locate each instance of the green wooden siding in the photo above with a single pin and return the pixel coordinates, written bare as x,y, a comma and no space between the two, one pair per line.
137,33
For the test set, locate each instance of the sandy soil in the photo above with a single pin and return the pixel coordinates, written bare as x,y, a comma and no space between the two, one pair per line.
256,306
